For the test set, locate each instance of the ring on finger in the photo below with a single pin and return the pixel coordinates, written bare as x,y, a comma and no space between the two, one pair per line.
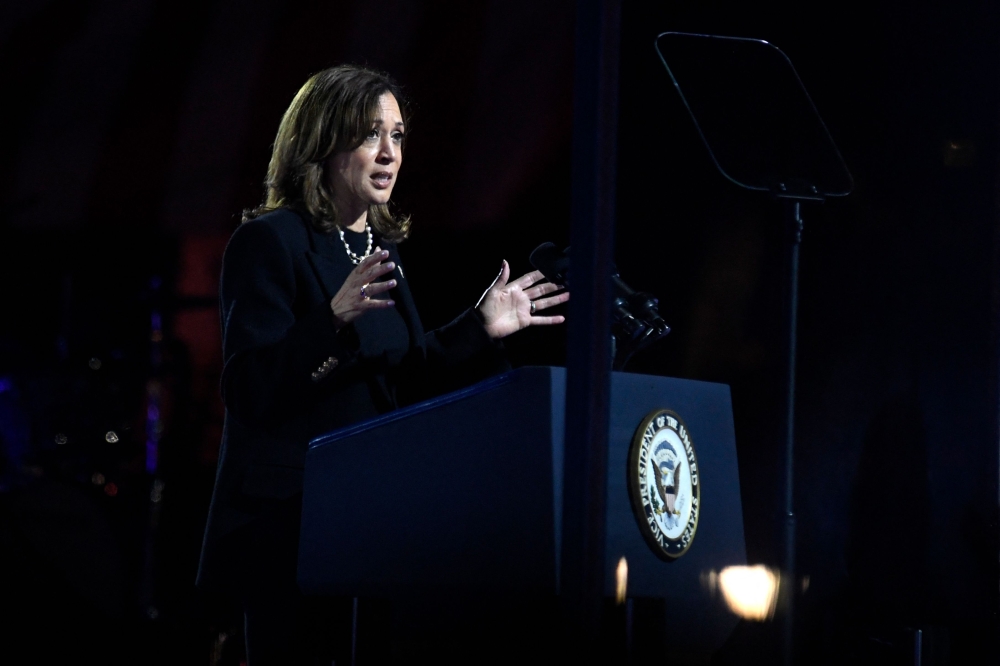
532,307
363,294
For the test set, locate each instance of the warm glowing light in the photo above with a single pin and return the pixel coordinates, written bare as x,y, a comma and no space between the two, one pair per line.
621,581
750,592
710,581
111,489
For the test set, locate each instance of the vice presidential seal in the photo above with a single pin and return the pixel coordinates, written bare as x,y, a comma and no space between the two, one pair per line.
663,483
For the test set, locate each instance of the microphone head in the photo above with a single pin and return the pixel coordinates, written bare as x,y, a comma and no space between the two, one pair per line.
552,262
543,255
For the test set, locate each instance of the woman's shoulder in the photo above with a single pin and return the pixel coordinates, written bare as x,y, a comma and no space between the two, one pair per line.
283,227
284,222
386,244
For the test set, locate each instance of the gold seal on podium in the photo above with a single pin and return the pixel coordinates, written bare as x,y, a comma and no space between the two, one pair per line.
664,484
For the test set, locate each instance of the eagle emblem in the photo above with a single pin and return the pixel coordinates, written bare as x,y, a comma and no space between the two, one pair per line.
664,483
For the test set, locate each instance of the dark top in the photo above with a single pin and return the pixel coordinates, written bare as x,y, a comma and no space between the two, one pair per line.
289,376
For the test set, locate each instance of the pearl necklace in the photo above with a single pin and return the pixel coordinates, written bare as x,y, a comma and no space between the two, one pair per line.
355,259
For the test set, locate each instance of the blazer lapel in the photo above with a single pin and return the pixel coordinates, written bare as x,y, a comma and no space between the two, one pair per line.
331,274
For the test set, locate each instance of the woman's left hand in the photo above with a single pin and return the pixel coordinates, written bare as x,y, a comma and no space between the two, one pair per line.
507,308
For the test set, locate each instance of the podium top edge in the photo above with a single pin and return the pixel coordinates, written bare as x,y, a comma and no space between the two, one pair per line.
412,410
468,392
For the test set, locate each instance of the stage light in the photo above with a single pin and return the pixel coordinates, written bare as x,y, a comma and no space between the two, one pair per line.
61,439
95,363
750,592
97,479
111,489
621,581
111,437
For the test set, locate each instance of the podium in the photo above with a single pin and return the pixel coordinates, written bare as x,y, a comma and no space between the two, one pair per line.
463,495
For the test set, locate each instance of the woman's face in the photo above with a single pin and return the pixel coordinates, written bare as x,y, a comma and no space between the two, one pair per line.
365,175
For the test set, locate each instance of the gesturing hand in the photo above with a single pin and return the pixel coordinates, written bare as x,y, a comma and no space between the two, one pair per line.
507,308
357,295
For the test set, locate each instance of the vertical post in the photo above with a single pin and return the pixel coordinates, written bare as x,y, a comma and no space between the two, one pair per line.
595,116
354,631
794,222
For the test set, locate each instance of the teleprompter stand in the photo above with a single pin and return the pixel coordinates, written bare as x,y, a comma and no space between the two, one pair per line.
763,133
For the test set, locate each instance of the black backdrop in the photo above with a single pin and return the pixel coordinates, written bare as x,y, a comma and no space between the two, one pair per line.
135,132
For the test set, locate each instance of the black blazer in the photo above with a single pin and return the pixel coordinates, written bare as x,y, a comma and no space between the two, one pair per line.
289,376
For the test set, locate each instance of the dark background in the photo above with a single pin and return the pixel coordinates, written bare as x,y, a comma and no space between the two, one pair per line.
134,133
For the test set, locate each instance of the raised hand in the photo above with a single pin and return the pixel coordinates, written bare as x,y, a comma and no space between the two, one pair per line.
357,294
507,308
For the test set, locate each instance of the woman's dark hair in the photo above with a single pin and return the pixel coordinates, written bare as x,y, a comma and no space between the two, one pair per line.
331,113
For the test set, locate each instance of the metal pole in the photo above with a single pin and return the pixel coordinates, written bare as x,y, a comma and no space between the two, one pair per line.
354,631
794,217
595,116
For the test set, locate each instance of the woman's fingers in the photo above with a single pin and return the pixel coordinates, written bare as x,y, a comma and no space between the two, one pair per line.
379,255
547,321
362,305
359,292
378,271
543,303
498,282
528,279
375,288
371,267
541,290
504,274
375,273
376,303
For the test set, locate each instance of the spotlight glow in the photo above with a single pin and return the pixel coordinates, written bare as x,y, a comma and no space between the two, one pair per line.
621,581
750,592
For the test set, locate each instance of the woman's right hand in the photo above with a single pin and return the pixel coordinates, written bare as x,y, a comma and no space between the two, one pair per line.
357,295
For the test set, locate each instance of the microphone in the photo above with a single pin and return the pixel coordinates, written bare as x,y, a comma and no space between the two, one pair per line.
637,321
643,304
552,262
554,265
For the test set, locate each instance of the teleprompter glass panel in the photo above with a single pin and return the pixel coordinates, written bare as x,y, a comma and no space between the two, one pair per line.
754,114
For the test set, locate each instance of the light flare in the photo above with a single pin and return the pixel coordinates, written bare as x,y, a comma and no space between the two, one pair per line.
621,581
750,591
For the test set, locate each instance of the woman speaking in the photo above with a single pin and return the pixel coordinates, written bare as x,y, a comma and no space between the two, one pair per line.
320,331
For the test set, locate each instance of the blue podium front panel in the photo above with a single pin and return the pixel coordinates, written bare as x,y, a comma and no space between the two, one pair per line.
453,494
706,410
464,493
